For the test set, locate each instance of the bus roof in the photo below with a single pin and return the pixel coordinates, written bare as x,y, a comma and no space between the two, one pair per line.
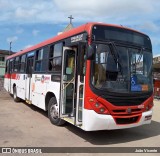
86,27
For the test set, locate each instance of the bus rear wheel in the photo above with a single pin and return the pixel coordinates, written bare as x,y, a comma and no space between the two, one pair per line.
16,99
53,112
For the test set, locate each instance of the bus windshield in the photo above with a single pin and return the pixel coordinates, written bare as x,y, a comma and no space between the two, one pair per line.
122,69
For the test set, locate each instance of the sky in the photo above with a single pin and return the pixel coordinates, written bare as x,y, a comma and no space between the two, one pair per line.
28,22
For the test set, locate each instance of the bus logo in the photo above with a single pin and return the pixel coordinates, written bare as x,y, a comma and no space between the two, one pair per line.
129,111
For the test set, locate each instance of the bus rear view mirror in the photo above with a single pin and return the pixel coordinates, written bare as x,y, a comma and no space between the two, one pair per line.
91,51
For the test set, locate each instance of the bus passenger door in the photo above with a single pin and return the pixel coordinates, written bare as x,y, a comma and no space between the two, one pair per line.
29,71
81,69
68,100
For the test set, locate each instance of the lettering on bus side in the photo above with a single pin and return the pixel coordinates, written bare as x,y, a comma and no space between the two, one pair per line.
37,78
17,77
42,78
45,79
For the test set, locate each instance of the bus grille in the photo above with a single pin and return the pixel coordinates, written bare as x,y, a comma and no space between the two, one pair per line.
126,101
124,110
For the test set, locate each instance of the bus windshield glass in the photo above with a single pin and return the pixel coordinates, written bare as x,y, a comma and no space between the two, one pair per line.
119,68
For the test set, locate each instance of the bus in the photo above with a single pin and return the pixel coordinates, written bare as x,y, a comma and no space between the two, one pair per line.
96,76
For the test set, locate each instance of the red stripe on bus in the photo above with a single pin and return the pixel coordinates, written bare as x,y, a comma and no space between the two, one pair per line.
8,76
11,76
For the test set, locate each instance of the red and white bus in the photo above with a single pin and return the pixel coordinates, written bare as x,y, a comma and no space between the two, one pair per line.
96,76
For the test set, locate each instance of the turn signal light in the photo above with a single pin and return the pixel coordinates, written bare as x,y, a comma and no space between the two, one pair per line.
149,106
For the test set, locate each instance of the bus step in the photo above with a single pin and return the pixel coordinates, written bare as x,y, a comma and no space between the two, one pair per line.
69,119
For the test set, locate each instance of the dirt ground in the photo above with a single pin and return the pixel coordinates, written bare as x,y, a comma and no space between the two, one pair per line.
23,125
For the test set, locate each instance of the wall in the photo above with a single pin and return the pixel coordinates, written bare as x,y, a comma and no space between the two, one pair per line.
2,65
1,84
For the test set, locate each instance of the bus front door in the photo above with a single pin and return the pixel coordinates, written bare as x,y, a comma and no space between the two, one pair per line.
29,71
68,101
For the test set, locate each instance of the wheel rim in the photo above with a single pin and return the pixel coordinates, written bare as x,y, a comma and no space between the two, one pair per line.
54,111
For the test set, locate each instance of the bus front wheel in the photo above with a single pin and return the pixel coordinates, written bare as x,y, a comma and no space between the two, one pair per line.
53,112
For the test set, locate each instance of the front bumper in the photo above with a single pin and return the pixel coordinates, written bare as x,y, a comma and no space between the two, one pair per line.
93,121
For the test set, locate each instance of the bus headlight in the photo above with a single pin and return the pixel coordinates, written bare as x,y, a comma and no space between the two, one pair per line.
99,108
97,105
102,110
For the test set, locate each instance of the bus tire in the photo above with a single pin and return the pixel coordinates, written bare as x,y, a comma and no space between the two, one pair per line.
53,112
16,99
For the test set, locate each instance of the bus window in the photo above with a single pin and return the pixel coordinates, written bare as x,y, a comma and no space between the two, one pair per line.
7,66
22,63
11,64
39,59
16,64
69,65
55,57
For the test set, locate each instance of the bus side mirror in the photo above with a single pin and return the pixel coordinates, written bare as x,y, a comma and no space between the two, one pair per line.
91,52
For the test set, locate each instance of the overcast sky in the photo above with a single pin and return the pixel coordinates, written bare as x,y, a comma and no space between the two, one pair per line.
27,22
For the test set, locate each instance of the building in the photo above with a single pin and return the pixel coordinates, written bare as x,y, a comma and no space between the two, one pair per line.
156,72
156,67
68,27
3,56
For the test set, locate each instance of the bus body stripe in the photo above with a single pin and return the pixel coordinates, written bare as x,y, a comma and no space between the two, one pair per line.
11,76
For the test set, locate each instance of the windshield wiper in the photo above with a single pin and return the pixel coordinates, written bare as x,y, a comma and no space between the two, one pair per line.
115,55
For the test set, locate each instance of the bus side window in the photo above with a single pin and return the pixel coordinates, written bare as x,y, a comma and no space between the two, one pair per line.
39,58
11,66
22,63
7,67
16,64
55,57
